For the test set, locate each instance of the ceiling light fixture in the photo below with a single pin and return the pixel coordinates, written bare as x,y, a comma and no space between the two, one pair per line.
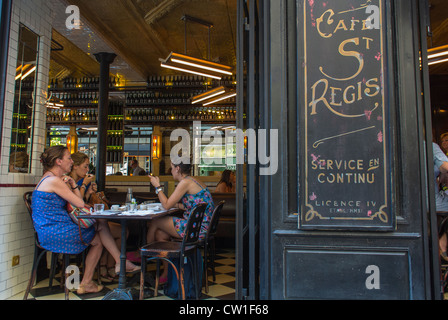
201,67
54,103
435,54
213,96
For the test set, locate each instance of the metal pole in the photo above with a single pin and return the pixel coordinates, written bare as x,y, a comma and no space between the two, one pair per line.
105,59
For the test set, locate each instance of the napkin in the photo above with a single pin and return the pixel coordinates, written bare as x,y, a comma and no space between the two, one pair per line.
138,213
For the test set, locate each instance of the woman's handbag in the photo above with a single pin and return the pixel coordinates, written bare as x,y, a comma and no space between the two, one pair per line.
74,212
99,197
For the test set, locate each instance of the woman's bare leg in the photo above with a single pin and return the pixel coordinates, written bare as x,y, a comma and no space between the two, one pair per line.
165,224
162,229
109,243
92,259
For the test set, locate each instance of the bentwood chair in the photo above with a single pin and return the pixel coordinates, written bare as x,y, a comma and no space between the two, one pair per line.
442,221
208,244
39,252
176,250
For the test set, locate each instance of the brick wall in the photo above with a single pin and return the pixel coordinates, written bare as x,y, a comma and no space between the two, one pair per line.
16,235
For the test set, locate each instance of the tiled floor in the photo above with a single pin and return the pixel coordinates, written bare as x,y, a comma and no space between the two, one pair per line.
222,289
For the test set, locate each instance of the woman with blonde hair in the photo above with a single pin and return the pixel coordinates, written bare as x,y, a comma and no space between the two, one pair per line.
88,186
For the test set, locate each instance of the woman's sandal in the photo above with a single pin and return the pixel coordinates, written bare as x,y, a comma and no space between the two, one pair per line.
163,280
91,287
105,275
130,267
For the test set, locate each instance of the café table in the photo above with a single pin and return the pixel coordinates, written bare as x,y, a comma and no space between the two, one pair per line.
122,292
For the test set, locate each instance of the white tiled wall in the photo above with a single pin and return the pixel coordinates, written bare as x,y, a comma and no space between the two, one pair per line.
16,234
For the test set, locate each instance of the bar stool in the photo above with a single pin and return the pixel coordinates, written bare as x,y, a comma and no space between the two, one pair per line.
174,249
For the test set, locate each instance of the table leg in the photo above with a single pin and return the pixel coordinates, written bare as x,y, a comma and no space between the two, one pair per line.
121,293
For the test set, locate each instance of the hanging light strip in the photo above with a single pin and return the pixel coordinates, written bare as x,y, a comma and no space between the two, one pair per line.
164,65
213,96
189,64
208,95
227,96
435,53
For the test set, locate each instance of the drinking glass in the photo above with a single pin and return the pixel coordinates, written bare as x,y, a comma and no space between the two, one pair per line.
98,207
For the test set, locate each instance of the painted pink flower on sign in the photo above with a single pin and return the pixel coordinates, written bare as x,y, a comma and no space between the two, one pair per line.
380,137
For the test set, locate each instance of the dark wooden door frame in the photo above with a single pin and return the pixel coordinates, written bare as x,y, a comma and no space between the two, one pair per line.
5,24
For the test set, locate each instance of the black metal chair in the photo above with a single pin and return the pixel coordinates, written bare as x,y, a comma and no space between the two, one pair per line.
442,221
175,249
39,252
208,244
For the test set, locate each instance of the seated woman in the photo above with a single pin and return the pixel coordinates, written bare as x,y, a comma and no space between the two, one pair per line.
188,193
441,178
56,230
227,182
87,187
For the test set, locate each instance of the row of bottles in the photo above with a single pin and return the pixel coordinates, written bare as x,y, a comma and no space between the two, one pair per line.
222,114
82,83
71,115
114,155
114,140
77,98
155,97
139,114
20,125
188,81
115,133
25,84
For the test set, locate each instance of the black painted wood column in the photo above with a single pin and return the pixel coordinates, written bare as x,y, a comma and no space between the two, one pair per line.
5,23
105,59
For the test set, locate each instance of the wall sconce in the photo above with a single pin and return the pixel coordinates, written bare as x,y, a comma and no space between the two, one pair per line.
213,96
72,140
155,147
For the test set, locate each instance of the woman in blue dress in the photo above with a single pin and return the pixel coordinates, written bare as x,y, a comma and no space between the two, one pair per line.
55,229
187,195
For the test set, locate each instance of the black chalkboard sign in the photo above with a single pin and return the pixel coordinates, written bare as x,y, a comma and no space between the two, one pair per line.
347,181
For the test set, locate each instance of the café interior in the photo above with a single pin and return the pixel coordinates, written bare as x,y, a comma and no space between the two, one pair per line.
148,100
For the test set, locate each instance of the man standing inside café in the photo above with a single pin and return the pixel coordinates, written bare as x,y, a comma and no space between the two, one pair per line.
136,169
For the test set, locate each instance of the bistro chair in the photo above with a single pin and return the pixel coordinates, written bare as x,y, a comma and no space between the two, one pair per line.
208,244
39,252
175,249
442,218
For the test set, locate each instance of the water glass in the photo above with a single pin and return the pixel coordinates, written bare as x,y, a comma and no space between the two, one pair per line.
98,207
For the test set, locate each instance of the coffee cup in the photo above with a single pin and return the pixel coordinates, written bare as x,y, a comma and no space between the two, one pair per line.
115,207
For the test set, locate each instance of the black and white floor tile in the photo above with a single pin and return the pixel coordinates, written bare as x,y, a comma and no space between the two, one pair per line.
221,289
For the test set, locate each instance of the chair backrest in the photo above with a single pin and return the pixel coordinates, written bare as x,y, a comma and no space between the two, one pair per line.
27,198
215,219
194,224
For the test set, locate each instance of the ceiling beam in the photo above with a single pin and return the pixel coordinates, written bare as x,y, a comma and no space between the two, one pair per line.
73,58
161,10
118,29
